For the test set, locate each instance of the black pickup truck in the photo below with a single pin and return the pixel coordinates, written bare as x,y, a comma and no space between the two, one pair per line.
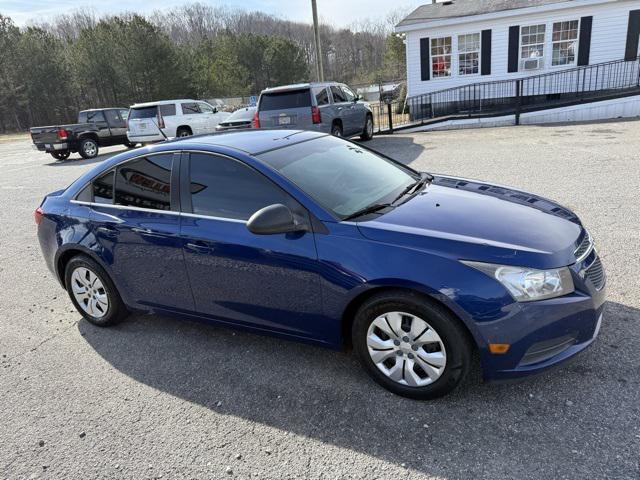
95,128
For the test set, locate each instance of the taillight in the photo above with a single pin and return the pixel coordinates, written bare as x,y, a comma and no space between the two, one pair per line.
38,214
160,120
62,134
256,120
315,115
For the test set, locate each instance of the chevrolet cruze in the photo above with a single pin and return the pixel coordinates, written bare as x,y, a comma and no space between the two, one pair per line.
313,238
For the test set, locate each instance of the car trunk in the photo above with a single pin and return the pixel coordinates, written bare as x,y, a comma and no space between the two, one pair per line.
48,135
144,121
287,109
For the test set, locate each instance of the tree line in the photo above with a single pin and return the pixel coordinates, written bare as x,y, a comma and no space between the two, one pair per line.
50,70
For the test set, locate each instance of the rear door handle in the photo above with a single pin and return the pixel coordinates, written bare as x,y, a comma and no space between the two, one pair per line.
198,247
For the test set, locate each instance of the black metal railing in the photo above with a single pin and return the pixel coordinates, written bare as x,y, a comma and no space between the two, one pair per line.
513,97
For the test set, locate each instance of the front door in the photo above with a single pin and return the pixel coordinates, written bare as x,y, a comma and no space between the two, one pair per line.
269,282
138,229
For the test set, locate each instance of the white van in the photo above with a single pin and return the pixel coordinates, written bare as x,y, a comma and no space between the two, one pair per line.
157,121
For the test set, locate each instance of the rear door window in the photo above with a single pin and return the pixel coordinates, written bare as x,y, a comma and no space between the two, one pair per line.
88,117
285,100
322,96
168,110
103,188
145,183
190,108
143,112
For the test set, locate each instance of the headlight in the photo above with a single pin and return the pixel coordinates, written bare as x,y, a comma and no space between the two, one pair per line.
528,284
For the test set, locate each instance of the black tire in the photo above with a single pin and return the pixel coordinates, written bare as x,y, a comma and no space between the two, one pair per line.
62,155
367,133
454,337
116,310
184,132
336,130
88,148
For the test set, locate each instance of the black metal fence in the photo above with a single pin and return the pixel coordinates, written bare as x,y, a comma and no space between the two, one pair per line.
513,97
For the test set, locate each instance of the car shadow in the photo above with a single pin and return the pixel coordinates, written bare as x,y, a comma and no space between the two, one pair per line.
324,395
399,147
76,160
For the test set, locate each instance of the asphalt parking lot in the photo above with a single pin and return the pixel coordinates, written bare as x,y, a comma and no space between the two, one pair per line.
165,398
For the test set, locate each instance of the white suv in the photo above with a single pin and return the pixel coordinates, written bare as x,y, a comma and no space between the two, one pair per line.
157,121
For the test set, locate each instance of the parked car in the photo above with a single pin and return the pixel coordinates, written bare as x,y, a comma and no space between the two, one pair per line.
314,238
96,128
323,107
158,121
238,120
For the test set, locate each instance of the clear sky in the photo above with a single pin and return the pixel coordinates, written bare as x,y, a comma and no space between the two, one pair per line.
336,12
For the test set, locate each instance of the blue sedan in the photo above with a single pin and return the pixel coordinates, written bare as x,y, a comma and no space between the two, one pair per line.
314,238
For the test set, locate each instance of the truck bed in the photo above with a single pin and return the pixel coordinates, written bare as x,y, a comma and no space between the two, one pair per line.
49,134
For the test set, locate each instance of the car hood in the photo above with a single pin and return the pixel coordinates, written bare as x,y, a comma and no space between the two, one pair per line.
472,220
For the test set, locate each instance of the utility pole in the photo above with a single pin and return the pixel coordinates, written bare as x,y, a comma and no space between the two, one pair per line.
316,32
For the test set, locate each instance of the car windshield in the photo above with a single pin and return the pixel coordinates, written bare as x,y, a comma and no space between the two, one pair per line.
244,114
341,176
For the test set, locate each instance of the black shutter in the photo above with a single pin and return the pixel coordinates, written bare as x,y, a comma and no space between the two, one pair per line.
584,45
633,35
425,61
514,47
485,67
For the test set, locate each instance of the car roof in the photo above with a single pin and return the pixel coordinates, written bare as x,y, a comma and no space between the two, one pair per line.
163,102
252,142
299,86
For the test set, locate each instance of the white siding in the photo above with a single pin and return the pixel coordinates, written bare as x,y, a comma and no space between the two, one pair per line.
608,42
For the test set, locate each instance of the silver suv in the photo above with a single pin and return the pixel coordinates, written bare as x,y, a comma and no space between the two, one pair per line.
328,107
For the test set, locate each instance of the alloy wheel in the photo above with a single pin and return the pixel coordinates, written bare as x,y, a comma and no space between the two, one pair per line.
90,149
89,292
369,127
406,349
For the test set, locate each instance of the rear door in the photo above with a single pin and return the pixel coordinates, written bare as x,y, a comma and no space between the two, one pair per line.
117,125
135,215
286,109
98,119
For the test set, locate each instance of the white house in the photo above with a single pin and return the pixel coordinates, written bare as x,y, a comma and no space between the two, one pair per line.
460,42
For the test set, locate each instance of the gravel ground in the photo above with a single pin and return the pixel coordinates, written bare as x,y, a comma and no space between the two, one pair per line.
157,397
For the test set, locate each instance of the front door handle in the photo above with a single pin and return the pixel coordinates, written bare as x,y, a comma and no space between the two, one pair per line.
198,247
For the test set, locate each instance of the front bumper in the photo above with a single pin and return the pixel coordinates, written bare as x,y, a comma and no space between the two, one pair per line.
543,334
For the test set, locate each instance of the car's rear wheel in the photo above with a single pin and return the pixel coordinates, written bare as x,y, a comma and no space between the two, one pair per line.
93,293
61,155
367,133
411,346
183,132
336,130
88,148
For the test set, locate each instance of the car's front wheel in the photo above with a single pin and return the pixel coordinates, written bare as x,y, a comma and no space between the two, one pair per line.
411,346
93,293
367,133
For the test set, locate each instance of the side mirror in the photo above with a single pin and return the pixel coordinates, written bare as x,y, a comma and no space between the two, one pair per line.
272,220
215,109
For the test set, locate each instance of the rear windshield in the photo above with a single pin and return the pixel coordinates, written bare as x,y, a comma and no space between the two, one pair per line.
144,112
285,100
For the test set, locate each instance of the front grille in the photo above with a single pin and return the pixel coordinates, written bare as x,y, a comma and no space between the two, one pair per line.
584,247
595,274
